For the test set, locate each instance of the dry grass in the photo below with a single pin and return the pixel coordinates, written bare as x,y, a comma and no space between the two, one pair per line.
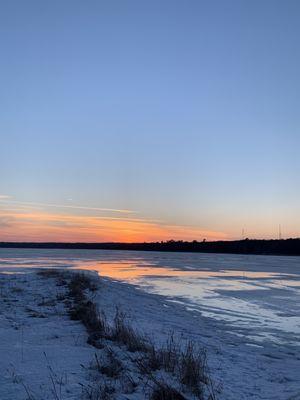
123,333
192,368
184,361
78,283
109,365
165,357
85,310
105,391
166,392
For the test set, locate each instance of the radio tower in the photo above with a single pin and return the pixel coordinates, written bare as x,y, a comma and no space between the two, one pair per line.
279,232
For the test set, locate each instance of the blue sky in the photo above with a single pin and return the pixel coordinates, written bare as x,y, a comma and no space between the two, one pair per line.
186,113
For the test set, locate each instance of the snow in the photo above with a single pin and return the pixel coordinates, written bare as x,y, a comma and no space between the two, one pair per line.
246,320
38,342
243,368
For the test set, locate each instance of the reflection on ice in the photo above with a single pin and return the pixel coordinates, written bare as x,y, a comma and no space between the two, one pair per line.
255,296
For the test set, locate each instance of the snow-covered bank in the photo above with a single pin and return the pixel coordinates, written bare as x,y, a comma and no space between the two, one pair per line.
244,369
45,355
40,344
41,349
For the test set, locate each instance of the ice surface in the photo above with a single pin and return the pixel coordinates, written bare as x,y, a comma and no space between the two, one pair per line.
243,309
255,296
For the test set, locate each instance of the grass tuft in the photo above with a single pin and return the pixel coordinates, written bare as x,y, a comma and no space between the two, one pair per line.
109,365
166,392
192,368
123,333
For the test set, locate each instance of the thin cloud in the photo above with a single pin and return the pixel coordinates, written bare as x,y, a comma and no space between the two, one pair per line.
6,221
73,207
4,197
31,211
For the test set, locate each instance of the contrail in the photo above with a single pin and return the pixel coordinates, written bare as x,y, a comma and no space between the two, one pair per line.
4,199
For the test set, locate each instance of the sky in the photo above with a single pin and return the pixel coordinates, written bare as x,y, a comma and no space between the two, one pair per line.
149,120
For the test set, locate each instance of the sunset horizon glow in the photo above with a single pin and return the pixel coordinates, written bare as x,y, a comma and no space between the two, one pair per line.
44,226
37,222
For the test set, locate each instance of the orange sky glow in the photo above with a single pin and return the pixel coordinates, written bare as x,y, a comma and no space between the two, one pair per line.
21,224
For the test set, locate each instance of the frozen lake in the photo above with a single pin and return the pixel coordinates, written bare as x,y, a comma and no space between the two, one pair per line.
256,297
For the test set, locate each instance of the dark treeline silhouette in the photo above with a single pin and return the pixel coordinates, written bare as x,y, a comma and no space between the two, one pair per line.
247,246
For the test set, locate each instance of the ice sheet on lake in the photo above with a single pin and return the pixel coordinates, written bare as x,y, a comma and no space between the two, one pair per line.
255,296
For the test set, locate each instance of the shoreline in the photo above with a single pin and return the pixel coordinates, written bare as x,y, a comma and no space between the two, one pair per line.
268,371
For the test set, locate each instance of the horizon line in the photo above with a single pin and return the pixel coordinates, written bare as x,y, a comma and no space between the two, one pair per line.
153,242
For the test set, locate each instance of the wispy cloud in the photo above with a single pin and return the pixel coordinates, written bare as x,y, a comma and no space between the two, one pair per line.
6,221
66,206
4,197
